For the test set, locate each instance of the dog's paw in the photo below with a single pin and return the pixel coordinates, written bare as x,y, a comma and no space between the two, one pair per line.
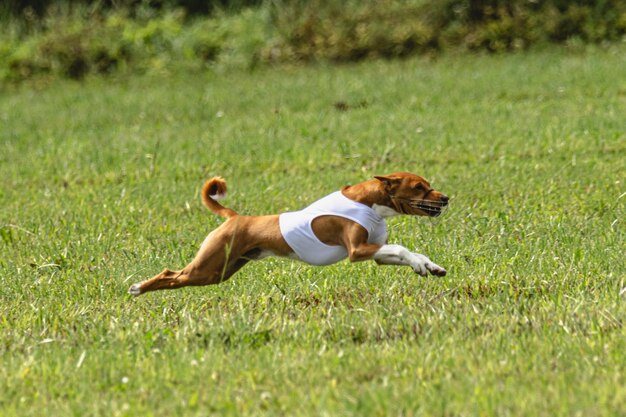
420,270
436,270
422,265
134,290
419,264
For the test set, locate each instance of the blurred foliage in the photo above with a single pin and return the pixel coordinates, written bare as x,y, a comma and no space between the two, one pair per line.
356,29
191,7
74,43
76,38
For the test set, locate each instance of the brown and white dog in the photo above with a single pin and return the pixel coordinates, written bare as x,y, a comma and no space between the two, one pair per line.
241,239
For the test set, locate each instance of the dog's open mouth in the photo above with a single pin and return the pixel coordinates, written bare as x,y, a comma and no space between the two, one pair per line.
431,208
431,211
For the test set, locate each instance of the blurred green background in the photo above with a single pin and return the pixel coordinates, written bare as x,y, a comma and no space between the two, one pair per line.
44,40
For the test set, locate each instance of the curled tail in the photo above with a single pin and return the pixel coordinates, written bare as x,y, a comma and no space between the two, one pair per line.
213,190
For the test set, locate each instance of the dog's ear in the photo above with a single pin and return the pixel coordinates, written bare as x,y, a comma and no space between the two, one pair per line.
390,183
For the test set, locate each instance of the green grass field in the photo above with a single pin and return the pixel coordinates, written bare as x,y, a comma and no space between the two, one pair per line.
100,189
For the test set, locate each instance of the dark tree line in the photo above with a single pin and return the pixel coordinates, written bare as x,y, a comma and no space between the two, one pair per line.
192,7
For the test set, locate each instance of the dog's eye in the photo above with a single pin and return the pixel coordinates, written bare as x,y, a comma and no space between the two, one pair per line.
419,186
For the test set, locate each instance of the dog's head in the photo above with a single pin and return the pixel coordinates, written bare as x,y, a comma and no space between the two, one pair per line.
411,194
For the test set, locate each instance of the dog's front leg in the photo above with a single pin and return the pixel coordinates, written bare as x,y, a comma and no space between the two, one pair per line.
360,250
399,255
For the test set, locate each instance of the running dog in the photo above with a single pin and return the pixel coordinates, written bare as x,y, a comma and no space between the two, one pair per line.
345,224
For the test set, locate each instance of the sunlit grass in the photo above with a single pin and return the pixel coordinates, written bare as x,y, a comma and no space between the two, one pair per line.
101,185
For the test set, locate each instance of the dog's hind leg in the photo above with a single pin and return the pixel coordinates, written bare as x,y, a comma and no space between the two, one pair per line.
233,268
165,279
189,276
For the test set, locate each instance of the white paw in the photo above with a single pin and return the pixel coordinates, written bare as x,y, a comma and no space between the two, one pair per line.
436,269
419,264
134,290
423,265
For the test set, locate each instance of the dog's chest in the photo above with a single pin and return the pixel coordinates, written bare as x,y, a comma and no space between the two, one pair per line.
298,233
378,236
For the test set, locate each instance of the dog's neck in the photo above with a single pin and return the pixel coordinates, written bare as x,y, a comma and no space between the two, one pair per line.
372,194
384,211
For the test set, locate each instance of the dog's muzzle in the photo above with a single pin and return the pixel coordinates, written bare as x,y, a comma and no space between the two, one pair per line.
433,208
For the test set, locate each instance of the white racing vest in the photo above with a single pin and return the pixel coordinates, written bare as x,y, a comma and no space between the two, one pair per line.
296,228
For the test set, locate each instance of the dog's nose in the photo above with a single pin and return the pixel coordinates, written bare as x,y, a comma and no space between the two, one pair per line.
444,199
